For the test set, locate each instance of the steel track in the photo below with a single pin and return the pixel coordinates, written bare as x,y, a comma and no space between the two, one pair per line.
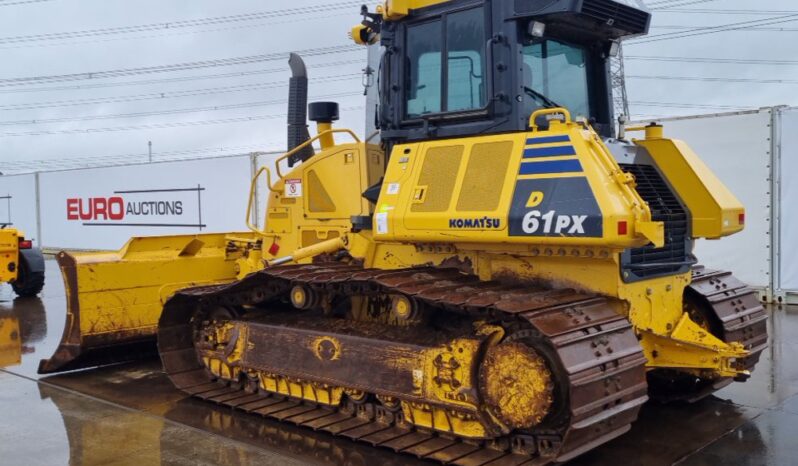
735,314
600,363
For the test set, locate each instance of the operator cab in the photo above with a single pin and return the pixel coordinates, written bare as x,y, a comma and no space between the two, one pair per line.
468,67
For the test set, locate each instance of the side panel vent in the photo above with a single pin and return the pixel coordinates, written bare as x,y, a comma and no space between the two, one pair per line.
484,178
438,176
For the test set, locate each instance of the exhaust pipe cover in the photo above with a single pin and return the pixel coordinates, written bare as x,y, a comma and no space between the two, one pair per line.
297,110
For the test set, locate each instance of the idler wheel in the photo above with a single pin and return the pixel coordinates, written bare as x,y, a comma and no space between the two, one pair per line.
303,297
516,385
404,309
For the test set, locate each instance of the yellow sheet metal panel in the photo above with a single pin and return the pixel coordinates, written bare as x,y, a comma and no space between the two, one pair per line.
123,292
317,199
560,186
396,9
9,254
331,182
715,212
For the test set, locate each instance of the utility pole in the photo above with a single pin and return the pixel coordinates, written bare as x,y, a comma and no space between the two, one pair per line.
620,101
149,143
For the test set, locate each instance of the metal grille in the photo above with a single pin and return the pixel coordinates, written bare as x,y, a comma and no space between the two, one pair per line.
439,174
484,178
617,14
649,261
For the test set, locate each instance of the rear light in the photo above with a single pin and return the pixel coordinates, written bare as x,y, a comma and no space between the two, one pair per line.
741,219
25,243
623,228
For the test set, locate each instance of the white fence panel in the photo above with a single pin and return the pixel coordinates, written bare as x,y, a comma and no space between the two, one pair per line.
788,257
101,208
737,148
18,203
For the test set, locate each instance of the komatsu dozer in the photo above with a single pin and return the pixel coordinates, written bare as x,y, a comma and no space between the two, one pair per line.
504,278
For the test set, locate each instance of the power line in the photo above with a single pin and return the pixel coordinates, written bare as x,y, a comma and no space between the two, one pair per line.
178,24
177,124
684,105
665,4
22,2
752,28
177,79
731,26
718,11
165,95
206,150
23,166
238,27
174,67
715,29
713,79
733,61
263,103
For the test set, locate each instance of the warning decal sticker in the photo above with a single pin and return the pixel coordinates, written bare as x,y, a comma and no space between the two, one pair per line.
293,188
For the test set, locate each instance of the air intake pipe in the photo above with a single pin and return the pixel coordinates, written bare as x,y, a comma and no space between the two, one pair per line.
298,110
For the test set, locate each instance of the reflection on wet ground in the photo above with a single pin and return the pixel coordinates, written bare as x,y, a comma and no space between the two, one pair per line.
131,414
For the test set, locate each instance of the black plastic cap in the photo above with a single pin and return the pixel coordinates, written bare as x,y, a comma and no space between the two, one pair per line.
323,112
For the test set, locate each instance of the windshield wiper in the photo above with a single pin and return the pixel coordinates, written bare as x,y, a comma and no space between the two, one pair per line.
541,97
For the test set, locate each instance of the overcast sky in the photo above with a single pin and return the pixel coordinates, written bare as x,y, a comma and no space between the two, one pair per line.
193,123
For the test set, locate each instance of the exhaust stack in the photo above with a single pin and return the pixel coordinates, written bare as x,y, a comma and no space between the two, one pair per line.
298,110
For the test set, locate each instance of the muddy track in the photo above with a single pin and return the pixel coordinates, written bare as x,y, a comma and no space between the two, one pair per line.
735,314
737,309
600,366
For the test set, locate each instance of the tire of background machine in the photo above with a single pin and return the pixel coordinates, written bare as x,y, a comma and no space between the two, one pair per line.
28,284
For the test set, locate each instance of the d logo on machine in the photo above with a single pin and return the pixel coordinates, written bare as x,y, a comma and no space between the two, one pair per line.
555,207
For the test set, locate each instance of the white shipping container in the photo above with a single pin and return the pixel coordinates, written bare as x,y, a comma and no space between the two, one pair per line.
787,190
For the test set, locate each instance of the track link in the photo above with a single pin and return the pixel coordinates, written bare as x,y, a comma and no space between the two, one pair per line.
735,314
601,366
737,308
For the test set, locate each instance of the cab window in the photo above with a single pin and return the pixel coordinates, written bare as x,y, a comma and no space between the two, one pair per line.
555,74
445,64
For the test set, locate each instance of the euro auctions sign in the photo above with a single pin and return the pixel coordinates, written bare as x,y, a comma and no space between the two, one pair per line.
102,208
172,207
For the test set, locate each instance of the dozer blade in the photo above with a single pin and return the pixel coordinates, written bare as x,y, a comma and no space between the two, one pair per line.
114,300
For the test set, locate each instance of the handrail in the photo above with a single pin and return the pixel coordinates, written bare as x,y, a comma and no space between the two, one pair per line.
252,188
254,182
309,142
548,111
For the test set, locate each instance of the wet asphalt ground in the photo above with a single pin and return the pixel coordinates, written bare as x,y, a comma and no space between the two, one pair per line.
131,414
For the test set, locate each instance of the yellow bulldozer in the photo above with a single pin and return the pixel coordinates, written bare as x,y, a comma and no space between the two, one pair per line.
503,278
